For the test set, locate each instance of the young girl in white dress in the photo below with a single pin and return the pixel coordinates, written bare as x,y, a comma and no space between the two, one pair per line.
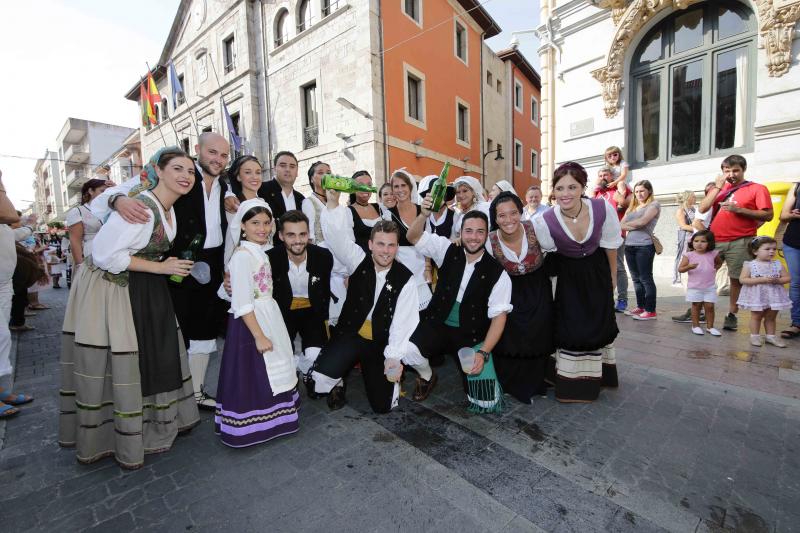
257,396
763,291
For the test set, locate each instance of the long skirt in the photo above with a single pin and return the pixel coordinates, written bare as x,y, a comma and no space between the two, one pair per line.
521,355
102,409
585,326
247,411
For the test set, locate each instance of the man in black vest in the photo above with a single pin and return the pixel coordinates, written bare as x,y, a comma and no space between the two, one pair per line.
279,193
471,300
379,313
200,212
301,285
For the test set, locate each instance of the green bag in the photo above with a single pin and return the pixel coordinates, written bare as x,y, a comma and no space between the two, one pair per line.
484,392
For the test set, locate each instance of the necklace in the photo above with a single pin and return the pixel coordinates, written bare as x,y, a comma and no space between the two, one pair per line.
575,218
166,211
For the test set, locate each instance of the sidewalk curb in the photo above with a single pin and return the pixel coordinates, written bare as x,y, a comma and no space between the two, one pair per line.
8,382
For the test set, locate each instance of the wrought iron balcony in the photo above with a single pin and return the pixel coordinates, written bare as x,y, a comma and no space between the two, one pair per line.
310,137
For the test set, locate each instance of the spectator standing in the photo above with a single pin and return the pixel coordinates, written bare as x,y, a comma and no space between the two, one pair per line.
791,252
684,216
640,222
738,207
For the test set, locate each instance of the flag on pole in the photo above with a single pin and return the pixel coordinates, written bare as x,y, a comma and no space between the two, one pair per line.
177,88
144,104
152,90
236,141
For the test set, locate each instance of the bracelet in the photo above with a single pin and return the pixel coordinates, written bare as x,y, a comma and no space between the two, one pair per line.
113,199
485,355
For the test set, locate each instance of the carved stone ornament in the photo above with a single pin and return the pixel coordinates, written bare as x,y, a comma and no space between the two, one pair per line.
776,21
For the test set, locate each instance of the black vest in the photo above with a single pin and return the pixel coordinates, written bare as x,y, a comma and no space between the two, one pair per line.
360,294
445,229
190,212
360,230
402,240
271,192
475,304
319,263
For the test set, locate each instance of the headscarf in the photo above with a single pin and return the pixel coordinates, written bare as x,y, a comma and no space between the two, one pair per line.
244,207
505,186
413,196
148,176
473,184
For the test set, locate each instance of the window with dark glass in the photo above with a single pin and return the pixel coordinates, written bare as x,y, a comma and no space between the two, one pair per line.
412,9
692,84
414,98
281,27
463,123
303,15
461,42
310,123
229,53
181,96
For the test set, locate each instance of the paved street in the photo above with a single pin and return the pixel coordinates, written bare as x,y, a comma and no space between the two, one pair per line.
699,437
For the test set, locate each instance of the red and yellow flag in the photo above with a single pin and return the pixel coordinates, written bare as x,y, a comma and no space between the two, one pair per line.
152,98
144,103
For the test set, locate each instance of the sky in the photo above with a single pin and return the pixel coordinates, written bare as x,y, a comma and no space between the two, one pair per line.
83,56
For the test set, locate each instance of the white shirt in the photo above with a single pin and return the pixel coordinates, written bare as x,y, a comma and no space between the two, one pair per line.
118,240
705,218
508,252
610,234
213,221
298,278
334,224
8,252
527,215
436,246
288,201
80,214
483,207
242,266
99,206
433,222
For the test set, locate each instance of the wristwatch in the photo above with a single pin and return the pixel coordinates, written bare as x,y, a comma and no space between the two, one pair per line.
113,198
485,355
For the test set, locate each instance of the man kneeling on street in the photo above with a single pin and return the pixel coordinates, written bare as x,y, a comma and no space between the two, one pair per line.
470,302
378,291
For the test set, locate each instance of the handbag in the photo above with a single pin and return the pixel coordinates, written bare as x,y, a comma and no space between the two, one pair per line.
656,243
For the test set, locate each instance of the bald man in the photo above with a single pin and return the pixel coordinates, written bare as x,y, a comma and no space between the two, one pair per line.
200,312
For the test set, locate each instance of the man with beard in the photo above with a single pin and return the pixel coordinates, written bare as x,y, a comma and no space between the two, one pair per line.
301,285
200,212
471,300
380,289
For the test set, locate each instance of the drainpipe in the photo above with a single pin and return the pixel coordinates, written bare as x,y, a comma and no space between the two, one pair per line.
513,87
262,82
480,84
383,94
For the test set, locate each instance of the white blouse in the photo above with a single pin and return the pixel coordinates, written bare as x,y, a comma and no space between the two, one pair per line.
242,266
334,224
91,225
436,246
483,207
610,234
118,240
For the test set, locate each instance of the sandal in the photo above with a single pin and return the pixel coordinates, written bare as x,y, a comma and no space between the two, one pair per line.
21,329
14,399
7,411
36,307
791,333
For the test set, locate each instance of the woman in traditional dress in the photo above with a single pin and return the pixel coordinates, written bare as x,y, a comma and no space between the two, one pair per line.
585,235
244,176
82,225
365,214
523,351
315,202
126,389
469,196
257,396
404,214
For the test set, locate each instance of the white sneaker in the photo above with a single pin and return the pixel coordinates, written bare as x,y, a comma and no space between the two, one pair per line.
755,340
697,330
773,340
714,331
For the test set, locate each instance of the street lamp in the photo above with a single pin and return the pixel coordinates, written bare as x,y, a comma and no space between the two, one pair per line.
499,156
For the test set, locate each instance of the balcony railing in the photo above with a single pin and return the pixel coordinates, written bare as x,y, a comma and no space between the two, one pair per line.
74,177
77,154
310,137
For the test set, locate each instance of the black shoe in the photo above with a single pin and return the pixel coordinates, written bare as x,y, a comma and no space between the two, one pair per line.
336,398
731,322
422,388
308,381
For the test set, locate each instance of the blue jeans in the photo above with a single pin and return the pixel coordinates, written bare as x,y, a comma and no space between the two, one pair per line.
792,256
640,265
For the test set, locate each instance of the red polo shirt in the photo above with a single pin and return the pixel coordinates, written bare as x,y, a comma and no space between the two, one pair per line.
728,226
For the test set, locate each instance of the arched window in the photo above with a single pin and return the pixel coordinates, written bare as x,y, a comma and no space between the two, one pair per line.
692,84
281,30
303,15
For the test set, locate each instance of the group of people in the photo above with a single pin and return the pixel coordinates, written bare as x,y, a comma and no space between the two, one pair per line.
519,294
307,289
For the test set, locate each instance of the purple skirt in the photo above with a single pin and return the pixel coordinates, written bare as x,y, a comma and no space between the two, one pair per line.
247,411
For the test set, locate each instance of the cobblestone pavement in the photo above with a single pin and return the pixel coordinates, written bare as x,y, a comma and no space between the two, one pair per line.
666,451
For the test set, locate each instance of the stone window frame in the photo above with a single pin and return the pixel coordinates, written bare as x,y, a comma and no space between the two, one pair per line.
458,25
419,7
521,166
409,70
460,102
709,51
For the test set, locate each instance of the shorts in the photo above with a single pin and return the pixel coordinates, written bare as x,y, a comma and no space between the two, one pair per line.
734,254
708,295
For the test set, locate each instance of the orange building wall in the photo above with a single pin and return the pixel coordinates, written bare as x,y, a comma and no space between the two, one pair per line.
525,131
446,77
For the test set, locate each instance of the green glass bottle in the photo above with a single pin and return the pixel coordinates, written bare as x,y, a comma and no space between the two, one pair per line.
344,184
439,189
190,254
